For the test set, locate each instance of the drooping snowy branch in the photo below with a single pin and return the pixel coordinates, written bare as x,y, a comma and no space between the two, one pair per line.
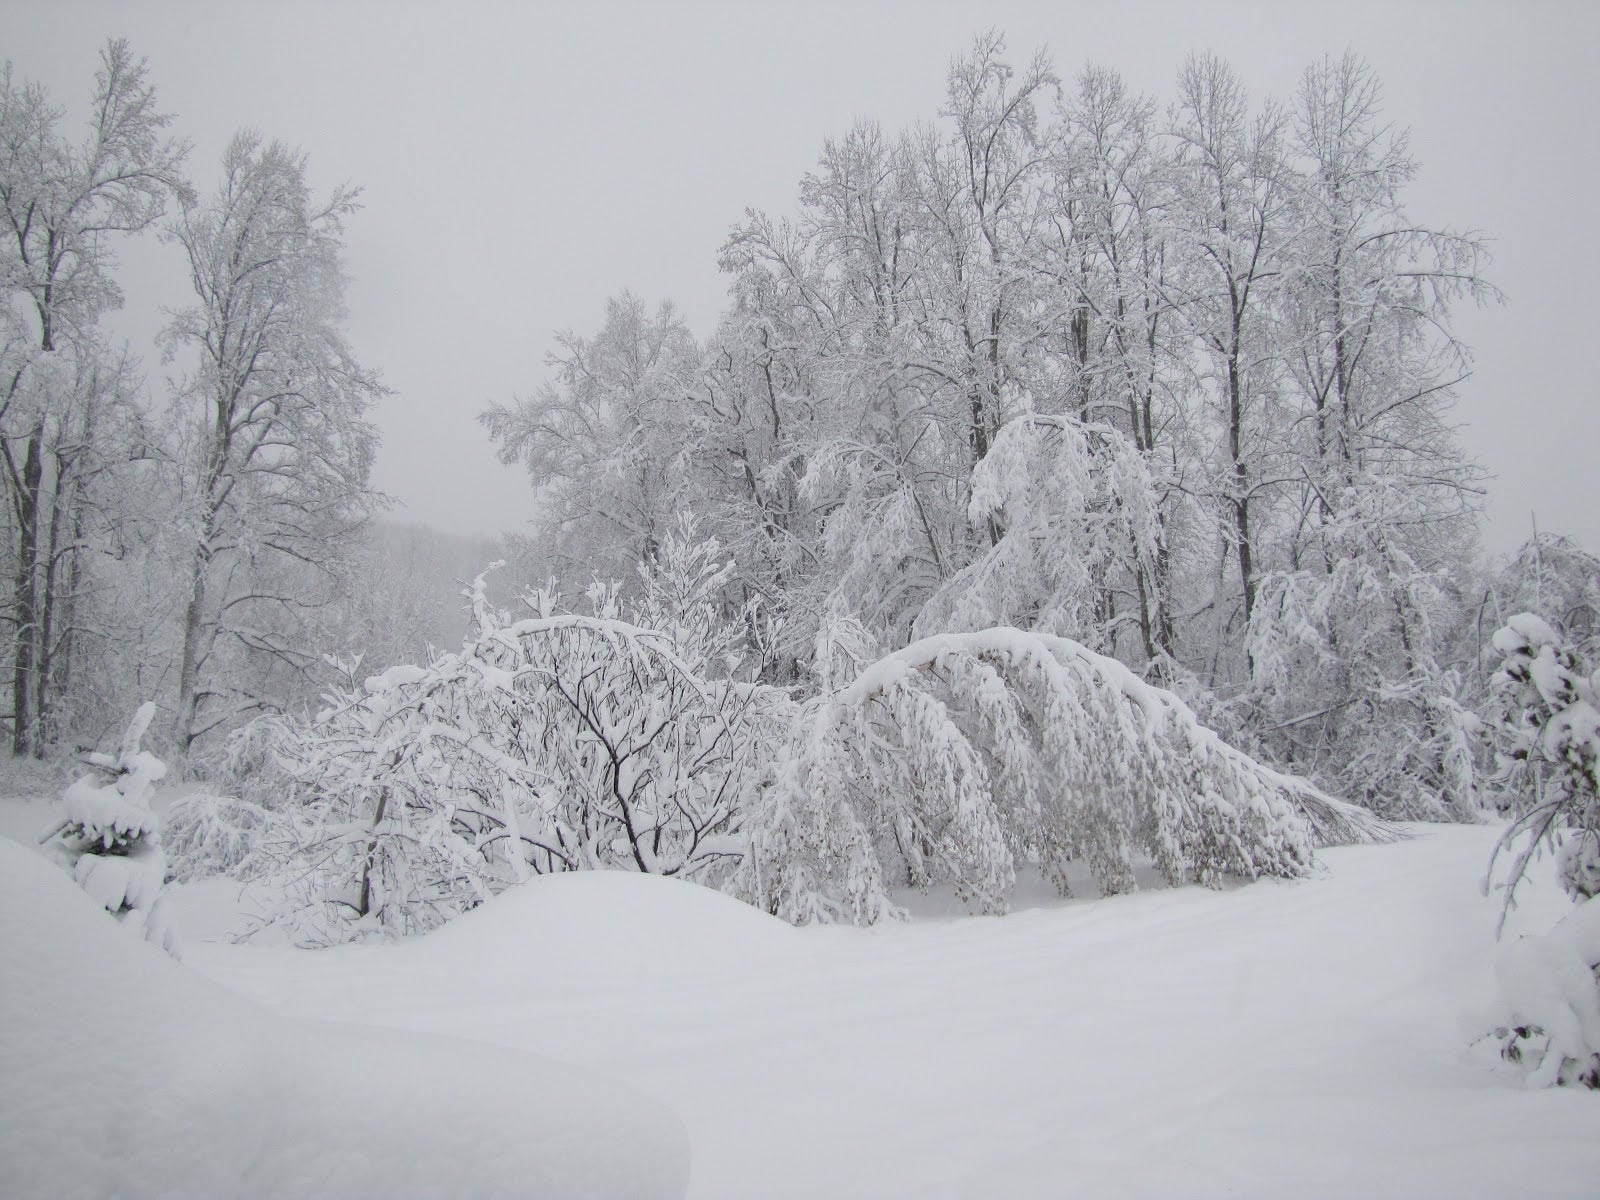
965,754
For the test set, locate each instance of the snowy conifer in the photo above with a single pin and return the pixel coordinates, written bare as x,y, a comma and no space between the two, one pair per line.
110,835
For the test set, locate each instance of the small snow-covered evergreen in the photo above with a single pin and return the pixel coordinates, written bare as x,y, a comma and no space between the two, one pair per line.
110,835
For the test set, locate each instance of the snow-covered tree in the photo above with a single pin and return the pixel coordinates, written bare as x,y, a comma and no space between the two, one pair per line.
1080,519
65,397
1118,258
1350,682
607,441
1234,217
1548,574
274,443
110,836
1351,644
965,754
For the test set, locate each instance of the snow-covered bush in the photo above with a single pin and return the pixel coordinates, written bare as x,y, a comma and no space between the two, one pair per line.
1547,742
1547,735
965,754
1548,1000
209,834
563,741
110,837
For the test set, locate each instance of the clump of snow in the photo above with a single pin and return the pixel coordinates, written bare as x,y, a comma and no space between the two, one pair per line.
127,1074
1547,983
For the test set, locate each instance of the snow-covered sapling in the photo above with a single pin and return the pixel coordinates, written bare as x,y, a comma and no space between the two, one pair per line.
563,741
109,835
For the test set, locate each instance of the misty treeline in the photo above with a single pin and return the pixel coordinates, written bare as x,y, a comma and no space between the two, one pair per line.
1040,444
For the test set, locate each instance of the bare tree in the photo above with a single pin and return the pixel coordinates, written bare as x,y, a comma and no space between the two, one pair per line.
605,441
1234,206
59,389
274,441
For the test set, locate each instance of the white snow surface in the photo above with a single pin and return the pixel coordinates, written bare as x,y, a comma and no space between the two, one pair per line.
126,1074
1305,1038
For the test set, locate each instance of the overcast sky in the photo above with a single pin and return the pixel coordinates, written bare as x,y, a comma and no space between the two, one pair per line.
522,162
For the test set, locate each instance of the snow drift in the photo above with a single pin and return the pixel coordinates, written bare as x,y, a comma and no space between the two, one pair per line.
127,1074
609,926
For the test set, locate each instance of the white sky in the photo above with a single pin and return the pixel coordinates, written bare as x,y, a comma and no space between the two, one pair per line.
523,162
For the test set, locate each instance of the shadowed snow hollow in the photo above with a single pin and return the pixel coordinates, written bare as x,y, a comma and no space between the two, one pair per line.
127,1074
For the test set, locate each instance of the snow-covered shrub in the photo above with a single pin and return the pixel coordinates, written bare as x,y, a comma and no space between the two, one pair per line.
1547,742
110,836
1548,1000
208,834
562,741
964,754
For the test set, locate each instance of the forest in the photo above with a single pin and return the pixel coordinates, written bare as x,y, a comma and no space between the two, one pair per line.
1070,489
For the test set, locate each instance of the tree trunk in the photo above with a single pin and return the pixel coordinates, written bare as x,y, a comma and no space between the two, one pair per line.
189,671
25,592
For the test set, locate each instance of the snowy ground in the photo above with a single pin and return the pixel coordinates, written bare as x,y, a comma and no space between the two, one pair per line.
1281,1039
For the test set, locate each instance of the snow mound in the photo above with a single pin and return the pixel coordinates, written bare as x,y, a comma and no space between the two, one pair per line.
1549,982
127,1074
633,928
